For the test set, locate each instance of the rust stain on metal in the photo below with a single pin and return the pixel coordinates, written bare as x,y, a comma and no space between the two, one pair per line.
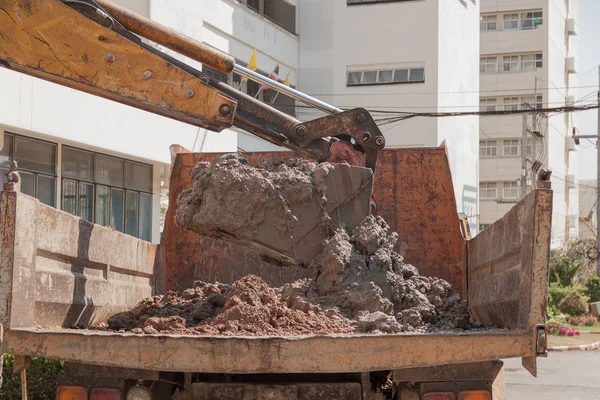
49,42
413,188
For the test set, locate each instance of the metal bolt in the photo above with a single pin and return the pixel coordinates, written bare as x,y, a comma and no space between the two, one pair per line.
225,110
110,58
189,93
379,141
301,131
366,136
147,74
204,80
102,38
361,118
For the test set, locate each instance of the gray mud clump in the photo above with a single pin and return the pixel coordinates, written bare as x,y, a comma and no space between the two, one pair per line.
362,278
259,195
360,283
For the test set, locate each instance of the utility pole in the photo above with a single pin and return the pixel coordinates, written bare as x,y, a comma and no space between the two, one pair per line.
524,158
598,185
597,137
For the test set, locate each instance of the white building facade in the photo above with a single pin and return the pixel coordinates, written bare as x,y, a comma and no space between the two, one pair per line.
528,61
410,56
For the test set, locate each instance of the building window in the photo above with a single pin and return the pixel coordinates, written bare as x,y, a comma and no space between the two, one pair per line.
487,104
510,64
511,21
510,103
385,76
531,20
108,191
488,23
488,148
531,62
510,190
279,12
36,163
527,103
488,65
487,190
510,148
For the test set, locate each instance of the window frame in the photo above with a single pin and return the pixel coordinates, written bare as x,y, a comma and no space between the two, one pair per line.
29,171
485,62
512,20
488,148
525,17
512,186
488,107
513,103
408,70
110,187
513,148
485,22
485,188
514,63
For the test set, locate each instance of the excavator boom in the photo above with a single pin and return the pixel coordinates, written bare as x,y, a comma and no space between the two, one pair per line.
103,49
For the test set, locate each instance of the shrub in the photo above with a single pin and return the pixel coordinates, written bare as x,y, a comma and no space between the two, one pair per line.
556,293
574,304
41,379
592,288
563,270
583,320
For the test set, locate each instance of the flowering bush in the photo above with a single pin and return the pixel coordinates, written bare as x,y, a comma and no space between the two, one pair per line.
583,320
562,331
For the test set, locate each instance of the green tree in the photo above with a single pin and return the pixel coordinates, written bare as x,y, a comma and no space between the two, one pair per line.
41,379
592,288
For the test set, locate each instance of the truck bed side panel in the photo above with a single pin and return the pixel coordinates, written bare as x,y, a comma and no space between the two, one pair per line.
508,266
68,272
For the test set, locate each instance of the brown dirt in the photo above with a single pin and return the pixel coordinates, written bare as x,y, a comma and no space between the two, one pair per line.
360,283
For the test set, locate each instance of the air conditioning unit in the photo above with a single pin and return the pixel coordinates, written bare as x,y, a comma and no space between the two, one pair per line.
570,181
569,100
571,26
571,65
571,221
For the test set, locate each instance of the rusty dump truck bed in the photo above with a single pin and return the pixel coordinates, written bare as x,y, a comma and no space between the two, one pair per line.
58,271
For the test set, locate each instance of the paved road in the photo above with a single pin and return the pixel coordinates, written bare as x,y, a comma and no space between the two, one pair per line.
571,375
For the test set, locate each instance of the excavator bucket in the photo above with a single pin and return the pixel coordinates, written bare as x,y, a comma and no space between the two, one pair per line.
269,210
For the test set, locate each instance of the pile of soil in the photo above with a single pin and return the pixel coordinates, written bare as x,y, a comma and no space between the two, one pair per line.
360,283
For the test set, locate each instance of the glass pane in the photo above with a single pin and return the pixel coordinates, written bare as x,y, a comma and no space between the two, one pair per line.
109,170
77,164
401,75
46,189
131,209
35,155
86,201
354,78
138,176
69,196
145,216
385,76
116,209
417,75
5,152
102,205
369,77
27,183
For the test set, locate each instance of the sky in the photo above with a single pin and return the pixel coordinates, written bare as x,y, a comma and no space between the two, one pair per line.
589,60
